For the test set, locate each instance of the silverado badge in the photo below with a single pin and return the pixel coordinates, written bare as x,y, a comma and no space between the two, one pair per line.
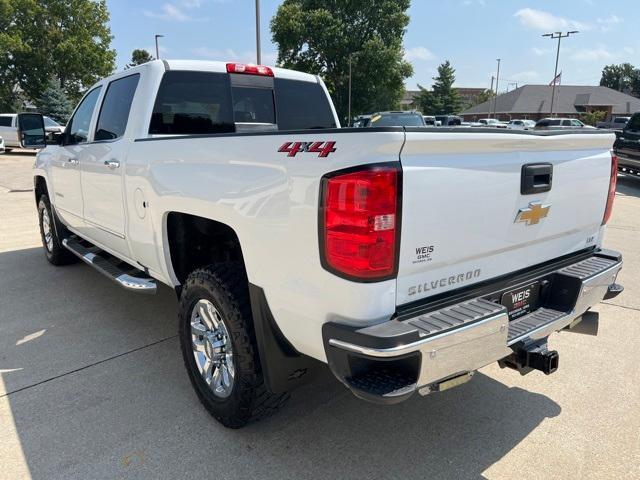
532,214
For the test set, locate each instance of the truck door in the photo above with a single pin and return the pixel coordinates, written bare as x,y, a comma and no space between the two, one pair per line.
102,166
629,141
65,162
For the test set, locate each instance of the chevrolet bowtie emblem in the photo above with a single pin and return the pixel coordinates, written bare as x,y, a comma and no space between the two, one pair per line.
532,214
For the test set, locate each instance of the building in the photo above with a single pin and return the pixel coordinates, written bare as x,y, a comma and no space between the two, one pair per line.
468,96
534,102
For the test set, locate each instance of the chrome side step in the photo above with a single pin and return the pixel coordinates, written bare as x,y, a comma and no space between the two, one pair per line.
120,272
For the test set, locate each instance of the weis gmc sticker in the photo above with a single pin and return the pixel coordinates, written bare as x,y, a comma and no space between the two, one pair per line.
323,149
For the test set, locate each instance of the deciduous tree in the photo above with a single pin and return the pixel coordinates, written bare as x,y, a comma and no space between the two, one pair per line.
138,57
320,36
624,78
64,39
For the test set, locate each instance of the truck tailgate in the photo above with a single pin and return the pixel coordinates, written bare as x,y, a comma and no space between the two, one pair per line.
462,198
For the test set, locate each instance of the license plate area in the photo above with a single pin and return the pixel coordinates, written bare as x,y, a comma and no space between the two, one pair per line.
522,300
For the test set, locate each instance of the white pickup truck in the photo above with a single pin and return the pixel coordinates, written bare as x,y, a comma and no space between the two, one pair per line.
404,258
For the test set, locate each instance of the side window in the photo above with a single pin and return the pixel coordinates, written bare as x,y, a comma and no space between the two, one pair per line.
5,121
302,105
78,128
116,105
634,123
190,103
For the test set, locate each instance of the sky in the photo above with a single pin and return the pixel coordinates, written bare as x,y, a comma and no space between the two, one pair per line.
471,34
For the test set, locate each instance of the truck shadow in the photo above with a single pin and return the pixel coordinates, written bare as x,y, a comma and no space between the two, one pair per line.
92,386
628,185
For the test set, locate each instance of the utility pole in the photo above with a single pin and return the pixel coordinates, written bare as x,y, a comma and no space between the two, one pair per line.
559,36
495,102
158,49
258,55
491,98
349,112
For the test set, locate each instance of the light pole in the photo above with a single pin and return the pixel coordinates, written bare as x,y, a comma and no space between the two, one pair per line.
559,36
349,110
158,49
491,98
495,102
258,55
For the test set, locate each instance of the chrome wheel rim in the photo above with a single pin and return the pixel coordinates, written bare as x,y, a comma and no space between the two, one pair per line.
212,348
46,230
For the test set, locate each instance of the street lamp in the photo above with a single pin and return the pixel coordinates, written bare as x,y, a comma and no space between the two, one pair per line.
495,101
559,36
157,49
258,55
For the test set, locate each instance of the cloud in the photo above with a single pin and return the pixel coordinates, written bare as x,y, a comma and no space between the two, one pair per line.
171,12
467,3
540,51
418,53
168,12
608,23
525,76
591,54
540,20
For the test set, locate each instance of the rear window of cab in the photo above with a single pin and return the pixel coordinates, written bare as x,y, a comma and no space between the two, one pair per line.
209,103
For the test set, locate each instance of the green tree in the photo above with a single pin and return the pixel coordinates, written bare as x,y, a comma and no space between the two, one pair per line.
484,96
64,39
624,78
320,36
592,118
138,57
54,102
443,99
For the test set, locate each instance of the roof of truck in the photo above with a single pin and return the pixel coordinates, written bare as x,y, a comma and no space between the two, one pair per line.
221,67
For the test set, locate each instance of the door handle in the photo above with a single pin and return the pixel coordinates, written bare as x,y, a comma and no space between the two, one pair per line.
73,161
112,164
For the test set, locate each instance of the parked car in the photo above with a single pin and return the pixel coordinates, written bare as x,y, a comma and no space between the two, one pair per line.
429,120
449,120
300,243
10,129
560,124
491,122
361,121
397,119
521,124
615,123
627,146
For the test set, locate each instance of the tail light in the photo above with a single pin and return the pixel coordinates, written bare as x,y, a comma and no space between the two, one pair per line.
249,69
612,189
360,222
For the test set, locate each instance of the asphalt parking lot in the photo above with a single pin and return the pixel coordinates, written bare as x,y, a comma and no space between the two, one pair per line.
92,386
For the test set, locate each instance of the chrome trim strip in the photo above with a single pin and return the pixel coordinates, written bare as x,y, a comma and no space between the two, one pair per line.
410,347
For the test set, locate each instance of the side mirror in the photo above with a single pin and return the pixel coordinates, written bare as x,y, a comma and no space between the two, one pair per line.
31,130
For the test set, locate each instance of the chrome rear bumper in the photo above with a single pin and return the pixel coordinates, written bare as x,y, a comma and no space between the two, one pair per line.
448,343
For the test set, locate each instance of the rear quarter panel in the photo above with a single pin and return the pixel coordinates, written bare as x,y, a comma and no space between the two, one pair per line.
271,201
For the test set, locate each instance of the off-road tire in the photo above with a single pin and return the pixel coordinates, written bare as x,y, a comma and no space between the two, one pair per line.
56,254
225,285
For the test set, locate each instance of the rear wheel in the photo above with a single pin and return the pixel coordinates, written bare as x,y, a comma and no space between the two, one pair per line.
53,249
218,346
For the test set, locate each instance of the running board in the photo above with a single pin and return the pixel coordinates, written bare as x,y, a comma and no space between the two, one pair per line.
128,277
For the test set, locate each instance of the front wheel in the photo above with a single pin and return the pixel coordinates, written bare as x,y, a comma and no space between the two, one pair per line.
218,346
53,248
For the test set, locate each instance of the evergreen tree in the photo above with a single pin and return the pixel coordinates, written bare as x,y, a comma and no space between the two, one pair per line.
443,99
54,102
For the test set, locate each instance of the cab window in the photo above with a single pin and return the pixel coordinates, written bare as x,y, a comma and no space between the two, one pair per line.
78,128
116,105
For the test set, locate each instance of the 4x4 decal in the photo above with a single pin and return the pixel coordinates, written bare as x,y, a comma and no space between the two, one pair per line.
323,149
